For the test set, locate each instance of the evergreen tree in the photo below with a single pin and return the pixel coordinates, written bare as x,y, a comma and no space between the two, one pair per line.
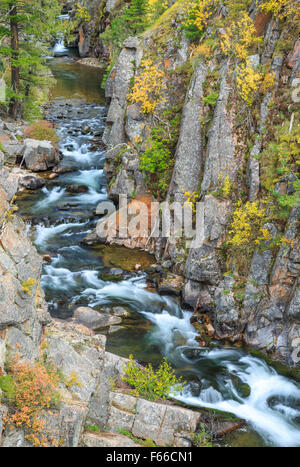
26,27
136,15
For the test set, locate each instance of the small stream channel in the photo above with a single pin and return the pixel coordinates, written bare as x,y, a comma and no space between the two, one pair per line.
223,378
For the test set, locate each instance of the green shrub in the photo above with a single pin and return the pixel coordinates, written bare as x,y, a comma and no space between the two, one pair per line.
91,428
152,384
157,161
156,158
202,439
211,99
8,388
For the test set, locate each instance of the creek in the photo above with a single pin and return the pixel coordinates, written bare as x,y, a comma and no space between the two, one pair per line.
227,379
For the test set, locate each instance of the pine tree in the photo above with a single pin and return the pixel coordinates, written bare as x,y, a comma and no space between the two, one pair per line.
26,27
136,15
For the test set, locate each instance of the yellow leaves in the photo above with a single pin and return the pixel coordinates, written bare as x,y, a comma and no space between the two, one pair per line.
203,50
290,243
268,82
226,186
82,13
199,14
191,199
73,380
248,82
148,87
281,8
150,383
238,38
28,285
246,223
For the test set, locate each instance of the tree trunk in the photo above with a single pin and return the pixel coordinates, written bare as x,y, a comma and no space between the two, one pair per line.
14,106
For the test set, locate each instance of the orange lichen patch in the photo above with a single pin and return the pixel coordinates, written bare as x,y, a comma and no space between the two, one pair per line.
81,37
294,56
261,23
4,138
113,74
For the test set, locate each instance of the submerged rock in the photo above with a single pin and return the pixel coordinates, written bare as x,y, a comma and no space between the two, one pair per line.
62,169
77,189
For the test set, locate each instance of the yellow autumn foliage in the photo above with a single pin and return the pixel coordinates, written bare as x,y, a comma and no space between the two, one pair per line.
238,38
281,8
199,12
148,86
247,220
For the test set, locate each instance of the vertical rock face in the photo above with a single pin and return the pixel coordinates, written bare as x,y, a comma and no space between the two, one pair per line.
219,141
275,323
220,152
117,88
189,152
88,32
203,265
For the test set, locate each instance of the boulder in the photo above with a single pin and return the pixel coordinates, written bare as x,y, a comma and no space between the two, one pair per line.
12,150
40,155
94,319
220,160
62,169
30,182
77,189
171,284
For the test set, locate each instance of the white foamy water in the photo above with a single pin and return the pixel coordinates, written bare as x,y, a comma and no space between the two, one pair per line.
59,48
51,196
130,292
92,197
89,178
274,423
169,328
60,279
43,234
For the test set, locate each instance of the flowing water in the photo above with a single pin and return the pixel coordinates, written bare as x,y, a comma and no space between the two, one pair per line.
223,378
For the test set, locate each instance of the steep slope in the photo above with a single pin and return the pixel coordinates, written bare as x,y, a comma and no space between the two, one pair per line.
203,106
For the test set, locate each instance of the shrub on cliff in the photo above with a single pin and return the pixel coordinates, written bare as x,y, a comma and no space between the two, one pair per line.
152,384
30,391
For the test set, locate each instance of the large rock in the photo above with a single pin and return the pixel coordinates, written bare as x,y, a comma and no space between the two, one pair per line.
226,317
12,150
40,155
94,319
162,422
32,183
